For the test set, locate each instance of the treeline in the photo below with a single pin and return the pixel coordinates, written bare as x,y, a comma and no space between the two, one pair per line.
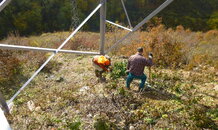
31,17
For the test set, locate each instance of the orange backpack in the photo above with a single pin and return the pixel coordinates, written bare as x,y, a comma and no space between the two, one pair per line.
102,60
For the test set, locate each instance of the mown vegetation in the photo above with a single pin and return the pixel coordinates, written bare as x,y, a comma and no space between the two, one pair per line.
25,17
178,99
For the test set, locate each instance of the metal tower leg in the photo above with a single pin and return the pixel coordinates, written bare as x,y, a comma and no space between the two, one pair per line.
102,27
4,104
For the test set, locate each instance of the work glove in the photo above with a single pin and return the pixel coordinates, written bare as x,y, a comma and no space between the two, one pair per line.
150,55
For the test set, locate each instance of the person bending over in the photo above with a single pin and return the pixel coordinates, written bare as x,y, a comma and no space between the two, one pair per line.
101,64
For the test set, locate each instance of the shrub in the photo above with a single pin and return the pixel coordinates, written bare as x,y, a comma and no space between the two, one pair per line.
199,116
174,48
51,66
102,122
11,72
119,70
166,51
101,125
75,125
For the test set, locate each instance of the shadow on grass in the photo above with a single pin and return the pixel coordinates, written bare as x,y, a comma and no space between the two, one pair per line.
156,94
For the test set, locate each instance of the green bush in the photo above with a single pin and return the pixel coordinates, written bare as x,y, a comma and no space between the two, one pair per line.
119,70
75,125
101,125
213,21
102,122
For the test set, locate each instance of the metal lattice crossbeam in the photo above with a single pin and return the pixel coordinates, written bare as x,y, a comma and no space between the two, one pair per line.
124,7
39,49
118,25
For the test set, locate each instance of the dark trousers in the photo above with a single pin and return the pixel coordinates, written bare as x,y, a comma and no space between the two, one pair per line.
99,75
132,76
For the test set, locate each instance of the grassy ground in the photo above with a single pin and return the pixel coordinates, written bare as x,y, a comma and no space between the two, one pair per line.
67,95
71,97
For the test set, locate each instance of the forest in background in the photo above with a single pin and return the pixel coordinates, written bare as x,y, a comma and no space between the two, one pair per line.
33,17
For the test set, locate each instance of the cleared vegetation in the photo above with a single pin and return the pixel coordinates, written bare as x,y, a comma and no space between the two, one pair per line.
67,95
72,98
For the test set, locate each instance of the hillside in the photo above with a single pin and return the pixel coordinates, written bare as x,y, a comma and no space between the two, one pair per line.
67,95
71,97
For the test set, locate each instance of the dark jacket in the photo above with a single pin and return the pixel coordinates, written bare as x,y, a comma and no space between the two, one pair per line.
137,63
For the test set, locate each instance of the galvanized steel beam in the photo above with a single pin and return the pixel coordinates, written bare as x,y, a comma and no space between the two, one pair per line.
102,27
124,7
119,25
28,48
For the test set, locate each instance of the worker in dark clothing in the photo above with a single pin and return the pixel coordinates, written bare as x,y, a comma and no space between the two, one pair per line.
136,66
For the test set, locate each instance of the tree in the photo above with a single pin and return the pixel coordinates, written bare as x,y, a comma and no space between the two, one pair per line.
31,17
213,21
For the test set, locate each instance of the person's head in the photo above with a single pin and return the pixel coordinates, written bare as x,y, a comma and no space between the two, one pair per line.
140,50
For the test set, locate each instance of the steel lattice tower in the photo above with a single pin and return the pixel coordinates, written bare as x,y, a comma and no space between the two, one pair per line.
75,19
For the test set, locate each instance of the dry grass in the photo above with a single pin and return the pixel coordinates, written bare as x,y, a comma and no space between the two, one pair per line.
178,100
175,48
18,65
